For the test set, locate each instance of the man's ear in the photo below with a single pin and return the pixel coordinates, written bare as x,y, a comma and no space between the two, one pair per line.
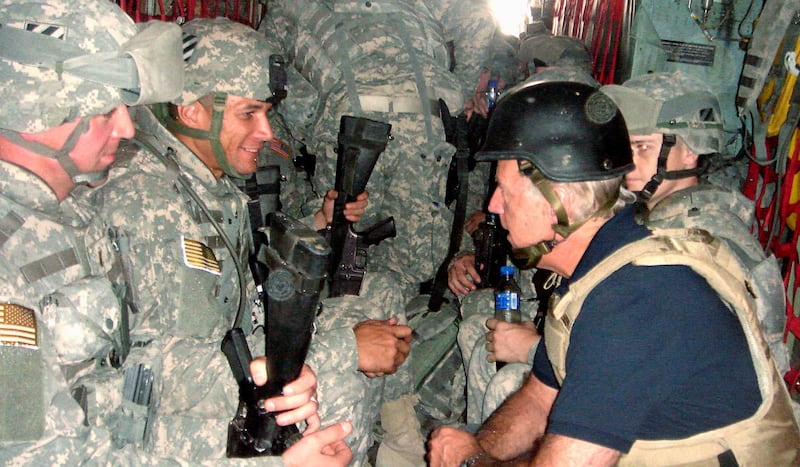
688,158
194,115
566,197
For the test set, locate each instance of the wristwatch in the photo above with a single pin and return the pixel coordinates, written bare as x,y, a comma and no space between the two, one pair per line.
472,460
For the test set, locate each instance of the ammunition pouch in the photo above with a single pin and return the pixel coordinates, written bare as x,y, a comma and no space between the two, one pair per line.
84,318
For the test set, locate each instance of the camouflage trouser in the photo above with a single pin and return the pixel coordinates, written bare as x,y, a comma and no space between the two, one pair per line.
344,392
486,387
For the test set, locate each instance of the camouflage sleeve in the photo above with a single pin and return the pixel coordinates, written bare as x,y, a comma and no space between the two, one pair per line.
333,350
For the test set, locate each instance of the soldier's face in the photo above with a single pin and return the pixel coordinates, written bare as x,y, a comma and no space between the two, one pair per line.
646,149
97,146
245,129
522,209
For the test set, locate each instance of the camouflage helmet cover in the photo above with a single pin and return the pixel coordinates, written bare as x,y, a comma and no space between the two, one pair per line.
571,74
555,51
227,58
37,98
671,103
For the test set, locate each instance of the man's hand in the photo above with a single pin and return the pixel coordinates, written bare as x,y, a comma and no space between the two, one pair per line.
474,221
383,346
353,211
462,275
449,446
477,103
299,399
510,342
325,447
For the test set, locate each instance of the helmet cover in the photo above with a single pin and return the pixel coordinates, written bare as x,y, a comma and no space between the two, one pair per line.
673,104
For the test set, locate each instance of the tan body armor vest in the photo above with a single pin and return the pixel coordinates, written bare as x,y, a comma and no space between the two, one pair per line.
771,435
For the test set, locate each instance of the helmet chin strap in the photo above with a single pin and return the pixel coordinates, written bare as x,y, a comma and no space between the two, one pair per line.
529,257
661,171
212,135
61,155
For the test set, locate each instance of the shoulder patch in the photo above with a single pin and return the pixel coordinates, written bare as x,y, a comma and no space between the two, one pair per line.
18,326
197,255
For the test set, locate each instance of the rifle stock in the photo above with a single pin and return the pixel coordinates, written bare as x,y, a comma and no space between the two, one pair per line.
295,259
360,142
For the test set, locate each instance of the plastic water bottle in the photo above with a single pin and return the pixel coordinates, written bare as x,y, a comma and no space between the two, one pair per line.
506,299
492,94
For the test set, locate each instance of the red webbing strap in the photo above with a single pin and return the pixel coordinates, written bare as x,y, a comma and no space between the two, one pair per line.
789,251
792,378
242,11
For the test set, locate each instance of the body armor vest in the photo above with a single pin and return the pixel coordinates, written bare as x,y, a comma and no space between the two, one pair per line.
770,436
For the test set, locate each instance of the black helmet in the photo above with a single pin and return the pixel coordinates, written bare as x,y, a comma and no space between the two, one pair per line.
570,131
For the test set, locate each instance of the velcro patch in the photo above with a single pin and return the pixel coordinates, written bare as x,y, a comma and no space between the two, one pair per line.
52,30
18,326
197,255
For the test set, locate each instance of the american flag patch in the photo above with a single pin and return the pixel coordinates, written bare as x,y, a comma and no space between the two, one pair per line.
280,148
197,255
17,326
52,30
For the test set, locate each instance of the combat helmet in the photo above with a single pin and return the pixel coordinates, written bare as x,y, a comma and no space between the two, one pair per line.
225,58
60,61
545,50
673,104
558,131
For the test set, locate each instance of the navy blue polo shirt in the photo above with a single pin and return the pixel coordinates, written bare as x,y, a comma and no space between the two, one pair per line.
654,354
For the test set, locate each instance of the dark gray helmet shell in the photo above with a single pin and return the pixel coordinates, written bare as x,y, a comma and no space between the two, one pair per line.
570,131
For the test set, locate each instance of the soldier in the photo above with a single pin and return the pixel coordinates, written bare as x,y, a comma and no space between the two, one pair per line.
676,127
67,73
187,239
391,62
626,374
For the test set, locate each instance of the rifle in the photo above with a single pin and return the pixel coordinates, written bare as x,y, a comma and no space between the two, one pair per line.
491,250
295,260
360,142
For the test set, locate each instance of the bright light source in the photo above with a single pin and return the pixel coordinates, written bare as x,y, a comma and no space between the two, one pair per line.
511,14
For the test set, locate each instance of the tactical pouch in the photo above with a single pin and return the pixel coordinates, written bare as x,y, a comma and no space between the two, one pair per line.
131,423
22,398
83,317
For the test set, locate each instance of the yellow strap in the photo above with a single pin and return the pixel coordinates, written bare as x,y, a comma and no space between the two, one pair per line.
778,116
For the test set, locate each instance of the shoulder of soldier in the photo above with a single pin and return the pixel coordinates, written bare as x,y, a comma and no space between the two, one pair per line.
137,179
705,200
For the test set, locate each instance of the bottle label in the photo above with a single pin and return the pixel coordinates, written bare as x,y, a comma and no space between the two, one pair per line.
506,301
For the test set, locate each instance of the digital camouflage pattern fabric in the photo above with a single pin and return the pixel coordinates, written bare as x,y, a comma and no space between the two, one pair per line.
217,63
55,292
387,61
187,290
36,98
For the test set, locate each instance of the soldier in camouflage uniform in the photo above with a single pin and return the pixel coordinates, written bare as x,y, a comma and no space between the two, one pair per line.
66,73
187,240
675,127
387,61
